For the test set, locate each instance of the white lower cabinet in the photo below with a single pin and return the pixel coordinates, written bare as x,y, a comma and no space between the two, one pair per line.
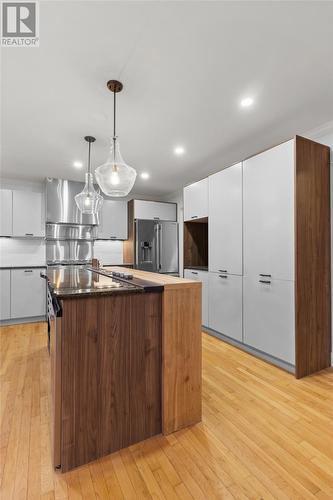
225,304
202,276
269,316
4,294
28,293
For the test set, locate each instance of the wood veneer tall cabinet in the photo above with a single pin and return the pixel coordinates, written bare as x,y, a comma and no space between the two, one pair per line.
286,251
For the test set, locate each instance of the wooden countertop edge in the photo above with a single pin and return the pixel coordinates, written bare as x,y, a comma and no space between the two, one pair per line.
169,282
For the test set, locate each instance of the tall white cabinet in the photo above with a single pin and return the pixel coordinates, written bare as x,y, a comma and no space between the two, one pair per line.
225,221
269,283
269,213
269,249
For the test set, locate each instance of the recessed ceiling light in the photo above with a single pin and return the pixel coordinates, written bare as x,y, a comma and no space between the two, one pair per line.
77,164
246,102
144,175
179,150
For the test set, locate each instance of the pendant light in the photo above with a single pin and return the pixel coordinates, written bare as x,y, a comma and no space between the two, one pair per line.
89,201
115,177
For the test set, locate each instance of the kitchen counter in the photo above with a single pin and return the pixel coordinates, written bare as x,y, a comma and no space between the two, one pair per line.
68,281
125,359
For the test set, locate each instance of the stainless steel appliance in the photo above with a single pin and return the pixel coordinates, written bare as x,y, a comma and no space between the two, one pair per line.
156,246
60,203
69,244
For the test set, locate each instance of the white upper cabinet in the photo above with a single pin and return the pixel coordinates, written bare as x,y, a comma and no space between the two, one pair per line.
155,210
225,221
268,213
28,214
6,212
113,220
196,200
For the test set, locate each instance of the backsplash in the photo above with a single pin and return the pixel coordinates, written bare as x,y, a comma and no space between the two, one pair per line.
108,252
22,252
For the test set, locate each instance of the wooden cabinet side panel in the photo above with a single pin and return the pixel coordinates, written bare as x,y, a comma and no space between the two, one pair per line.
313,257
181,358
128,249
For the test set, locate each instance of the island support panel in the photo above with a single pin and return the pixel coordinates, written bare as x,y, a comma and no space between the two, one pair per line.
182,356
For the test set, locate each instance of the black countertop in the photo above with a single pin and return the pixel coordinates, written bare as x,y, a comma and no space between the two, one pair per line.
23,267
74,281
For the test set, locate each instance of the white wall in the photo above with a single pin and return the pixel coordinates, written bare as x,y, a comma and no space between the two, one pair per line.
109,252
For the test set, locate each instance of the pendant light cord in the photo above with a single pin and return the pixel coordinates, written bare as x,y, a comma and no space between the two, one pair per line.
89,170
114,127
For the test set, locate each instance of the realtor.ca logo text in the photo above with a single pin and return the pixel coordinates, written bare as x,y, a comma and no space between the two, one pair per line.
20,24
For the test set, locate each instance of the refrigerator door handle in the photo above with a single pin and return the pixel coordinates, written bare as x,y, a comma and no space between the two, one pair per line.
160,247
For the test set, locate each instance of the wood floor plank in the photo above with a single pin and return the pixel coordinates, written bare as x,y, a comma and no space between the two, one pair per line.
265,435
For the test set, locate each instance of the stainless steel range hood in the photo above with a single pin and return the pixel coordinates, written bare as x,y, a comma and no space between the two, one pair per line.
60,203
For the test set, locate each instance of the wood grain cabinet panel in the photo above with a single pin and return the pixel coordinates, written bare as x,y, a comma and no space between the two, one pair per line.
111,374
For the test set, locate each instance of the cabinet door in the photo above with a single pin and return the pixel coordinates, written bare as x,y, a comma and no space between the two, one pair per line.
153,210
6,212
225,221
269,316
202,276
268,213
225,304
28,293
28,214
4,293
113,220
196,200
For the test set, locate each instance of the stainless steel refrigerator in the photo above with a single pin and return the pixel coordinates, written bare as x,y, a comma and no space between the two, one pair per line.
156,246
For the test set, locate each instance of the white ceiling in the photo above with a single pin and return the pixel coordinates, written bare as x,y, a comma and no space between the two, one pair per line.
185,66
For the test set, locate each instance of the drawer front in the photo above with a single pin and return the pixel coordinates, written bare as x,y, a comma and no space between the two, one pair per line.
225,304
28,293
269,316
202,276
4,294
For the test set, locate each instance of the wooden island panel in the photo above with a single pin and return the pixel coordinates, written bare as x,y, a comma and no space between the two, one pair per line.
111,374
181,349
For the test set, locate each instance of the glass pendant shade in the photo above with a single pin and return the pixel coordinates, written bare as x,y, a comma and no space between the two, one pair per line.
89,201
115,177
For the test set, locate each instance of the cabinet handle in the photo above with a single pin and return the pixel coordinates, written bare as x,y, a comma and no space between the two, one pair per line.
156,218
28,270
265,275
194,217
222,271
29,234
193,272
223,276
265,281
113,237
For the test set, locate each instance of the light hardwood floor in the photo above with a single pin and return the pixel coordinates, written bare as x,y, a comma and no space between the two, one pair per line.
264,434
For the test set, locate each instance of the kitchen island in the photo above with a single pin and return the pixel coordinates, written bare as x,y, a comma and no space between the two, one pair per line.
125,359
